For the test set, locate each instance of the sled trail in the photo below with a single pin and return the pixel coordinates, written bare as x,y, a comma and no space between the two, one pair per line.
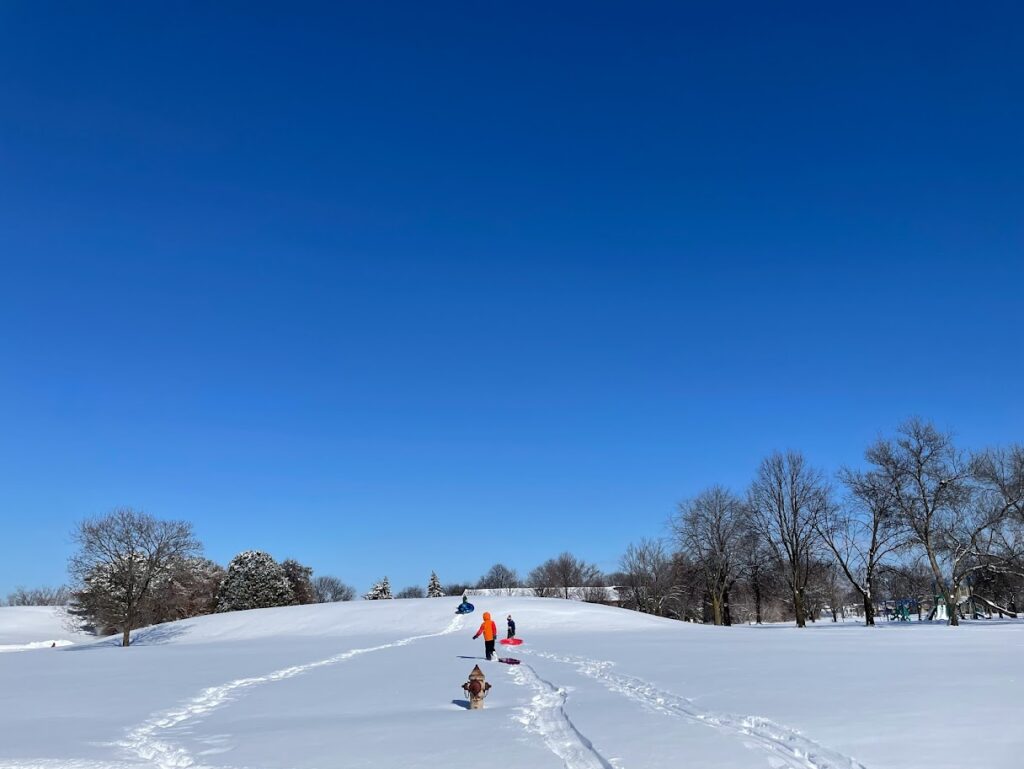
546,716
786,746
145,741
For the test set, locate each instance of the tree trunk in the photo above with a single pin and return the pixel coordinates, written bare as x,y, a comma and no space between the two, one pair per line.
949,596
716,608
757,601
798,608
126,633
869,611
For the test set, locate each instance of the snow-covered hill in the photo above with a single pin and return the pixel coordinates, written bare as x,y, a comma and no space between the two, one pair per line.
34,627
377,684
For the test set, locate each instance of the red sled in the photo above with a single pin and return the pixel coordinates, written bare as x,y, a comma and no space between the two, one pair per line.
508,660
511,641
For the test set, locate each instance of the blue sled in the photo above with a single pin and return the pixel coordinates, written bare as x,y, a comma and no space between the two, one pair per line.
464,608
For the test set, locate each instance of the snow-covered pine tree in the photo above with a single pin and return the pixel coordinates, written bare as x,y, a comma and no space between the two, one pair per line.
434,589
254,581
380,591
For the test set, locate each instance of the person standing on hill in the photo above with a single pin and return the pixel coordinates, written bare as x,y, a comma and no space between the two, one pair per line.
489,631
511,627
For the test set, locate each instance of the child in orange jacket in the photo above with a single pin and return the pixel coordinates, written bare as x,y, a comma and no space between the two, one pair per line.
489,631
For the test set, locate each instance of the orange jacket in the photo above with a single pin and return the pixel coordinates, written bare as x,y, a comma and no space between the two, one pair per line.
487,628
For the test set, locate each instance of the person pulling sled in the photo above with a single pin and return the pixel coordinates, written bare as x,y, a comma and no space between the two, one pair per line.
489,631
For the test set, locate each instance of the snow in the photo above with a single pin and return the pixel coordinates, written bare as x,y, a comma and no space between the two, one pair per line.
378,684
23,628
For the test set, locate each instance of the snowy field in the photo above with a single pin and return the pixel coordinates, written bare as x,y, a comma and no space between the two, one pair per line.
35,627
377,684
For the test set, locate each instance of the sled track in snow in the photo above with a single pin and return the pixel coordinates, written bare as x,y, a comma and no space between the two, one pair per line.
784,744
146,743
545,715
146,747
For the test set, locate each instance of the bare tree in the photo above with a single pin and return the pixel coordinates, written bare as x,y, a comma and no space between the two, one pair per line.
787,498
998,475
500,577
709,528
327,589
935,500
457,588
415,591
863,533
759,569
648,576
1001,474
826,589
121,555
686,601
560,576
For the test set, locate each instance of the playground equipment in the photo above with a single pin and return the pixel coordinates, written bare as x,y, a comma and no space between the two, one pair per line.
940,611
969,604
901,609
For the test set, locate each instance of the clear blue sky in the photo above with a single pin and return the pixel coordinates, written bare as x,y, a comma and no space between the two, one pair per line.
399,287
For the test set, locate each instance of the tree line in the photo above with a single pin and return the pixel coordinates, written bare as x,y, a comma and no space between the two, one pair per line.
921,522
132,570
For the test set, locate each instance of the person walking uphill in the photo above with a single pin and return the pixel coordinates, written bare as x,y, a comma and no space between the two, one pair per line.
489,631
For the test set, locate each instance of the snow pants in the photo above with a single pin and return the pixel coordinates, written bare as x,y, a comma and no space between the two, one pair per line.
489,648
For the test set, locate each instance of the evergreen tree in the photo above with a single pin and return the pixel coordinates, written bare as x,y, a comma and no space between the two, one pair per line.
380,591
300,578
434,589
254,581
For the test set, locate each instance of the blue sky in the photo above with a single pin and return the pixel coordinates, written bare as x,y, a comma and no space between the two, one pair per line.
409,287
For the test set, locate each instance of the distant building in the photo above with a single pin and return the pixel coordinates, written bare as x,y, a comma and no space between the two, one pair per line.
610,596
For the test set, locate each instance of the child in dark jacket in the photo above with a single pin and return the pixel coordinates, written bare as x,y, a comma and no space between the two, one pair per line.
511,627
